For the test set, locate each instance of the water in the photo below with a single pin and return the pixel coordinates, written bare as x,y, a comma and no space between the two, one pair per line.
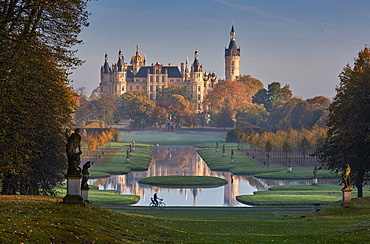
184,160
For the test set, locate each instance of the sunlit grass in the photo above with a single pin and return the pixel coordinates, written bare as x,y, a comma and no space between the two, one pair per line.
171,138
179,181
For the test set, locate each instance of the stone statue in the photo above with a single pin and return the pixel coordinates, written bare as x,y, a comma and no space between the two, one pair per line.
346,179
232,153
315,172
73,149
85,175
73,164
223,148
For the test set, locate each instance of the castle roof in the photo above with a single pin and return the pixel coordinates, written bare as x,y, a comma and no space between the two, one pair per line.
172,71
233,50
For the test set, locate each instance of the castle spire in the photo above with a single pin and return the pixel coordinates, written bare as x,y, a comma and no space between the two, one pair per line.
232,32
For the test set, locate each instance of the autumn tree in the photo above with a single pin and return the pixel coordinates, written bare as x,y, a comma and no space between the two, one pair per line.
36,38
273,96
140,110
348,136
253,85
230,95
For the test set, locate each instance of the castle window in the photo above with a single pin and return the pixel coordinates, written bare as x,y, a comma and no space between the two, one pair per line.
198,97
157,78
157,88
162,78
151,78
198,106
171,80
178,80
151,88
137,88
123,88
144,88
151,96
130,88
157,71
162,88
199,88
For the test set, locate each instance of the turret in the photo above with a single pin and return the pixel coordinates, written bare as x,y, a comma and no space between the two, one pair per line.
120,61
106,65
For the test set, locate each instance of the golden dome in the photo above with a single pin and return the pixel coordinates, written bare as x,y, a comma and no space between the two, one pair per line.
137,58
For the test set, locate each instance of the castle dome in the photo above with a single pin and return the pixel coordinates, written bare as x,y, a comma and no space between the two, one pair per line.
137,58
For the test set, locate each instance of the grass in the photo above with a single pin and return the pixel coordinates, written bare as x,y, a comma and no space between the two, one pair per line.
171,138
296,195
35,219
244,165
179,181
115,162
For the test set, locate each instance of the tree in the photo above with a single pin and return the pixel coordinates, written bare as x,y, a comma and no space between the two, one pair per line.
141,109
348,137
228,94
180,111
254,114
273,96
225,118
164,95
36,38
253,85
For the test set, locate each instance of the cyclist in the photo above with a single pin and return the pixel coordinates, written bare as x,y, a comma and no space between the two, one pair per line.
155,198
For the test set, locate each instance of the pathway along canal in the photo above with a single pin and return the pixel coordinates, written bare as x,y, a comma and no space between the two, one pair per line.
184,160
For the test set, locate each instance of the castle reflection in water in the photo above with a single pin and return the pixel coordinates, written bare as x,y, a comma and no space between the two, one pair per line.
184,160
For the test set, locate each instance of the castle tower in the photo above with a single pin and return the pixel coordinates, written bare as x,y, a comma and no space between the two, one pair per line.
105,88
232,58
196,77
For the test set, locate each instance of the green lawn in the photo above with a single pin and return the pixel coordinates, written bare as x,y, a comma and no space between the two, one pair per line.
115,162
179,181
171,138
297,195
36,219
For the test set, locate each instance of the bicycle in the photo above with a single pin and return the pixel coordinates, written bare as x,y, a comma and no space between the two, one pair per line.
160,204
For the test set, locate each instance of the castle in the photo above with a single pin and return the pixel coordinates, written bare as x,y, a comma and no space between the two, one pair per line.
136,75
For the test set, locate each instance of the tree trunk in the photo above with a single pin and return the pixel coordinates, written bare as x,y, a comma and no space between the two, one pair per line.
359,183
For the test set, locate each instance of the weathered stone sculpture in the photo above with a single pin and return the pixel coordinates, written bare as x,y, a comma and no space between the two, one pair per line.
85,175
73,149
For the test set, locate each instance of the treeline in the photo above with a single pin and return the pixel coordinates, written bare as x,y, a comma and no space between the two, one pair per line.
36,41
243,103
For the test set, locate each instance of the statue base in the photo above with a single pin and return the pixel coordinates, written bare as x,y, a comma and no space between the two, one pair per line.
231,160
85,195
346,197
223,154
290,170
314,182
73,190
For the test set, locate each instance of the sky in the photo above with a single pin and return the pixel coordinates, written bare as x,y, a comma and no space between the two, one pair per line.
301,43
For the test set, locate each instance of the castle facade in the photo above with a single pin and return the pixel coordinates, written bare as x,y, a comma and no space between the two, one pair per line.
121,77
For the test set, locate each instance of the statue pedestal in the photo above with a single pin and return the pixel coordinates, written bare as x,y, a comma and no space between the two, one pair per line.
346,197
232,160
314,181
127,159
73,189
223,154
85,195
290,170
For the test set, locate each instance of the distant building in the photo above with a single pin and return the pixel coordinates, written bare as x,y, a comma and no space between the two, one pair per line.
122,77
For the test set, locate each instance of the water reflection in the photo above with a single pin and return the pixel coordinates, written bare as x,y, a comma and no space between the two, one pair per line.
184,160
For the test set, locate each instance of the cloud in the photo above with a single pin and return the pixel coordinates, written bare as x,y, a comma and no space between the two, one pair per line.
247,8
